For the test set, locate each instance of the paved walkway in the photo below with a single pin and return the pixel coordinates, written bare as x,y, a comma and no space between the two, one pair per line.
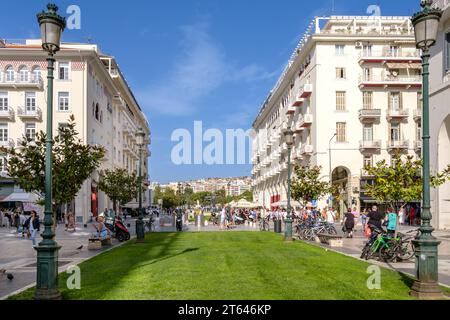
353,247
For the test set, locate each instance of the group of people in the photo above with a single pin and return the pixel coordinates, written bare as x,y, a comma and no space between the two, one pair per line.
25,225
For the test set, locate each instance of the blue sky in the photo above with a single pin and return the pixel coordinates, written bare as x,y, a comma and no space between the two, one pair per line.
194,60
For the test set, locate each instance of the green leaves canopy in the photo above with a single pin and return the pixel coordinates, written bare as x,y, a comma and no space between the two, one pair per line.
307,186
118,185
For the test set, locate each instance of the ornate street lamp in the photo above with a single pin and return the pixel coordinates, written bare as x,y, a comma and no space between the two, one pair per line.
426,24
289,139
52,25
140,234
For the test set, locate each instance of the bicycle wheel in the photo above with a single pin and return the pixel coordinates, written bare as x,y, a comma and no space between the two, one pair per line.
405,251
365,251
388,252
332,230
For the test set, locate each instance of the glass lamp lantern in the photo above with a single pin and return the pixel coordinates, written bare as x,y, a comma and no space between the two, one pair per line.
140,136
52,25
289,137
426,24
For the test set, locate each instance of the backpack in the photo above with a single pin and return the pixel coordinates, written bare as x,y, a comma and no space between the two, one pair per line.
26,224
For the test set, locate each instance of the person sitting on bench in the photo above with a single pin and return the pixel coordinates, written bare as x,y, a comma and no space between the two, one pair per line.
102,230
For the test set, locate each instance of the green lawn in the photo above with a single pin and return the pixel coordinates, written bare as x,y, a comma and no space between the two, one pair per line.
227,265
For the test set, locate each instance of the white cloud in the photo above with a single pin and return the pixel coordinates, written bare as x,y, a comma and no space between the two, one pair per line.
200,68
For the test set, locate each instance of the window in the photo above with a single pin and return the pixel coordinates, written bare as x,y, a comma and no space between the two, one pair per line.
339,49
367,50
63,71
394,134
30,131
340,100
394,51
36,74
3,101
63,101
447,52
340,73
368,161
367,74
23,74
9,74
419,131
97,112
2,163
341,132
367,100
30,101
419,101
395,101
3,132
368,132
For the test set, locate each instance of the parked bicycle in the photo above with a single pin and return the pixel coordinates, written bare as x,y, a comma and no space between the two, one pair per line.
264,224
150,224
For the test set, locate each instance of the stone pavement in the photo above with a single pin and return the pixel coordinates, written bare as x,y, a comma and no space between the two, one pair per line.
19,258
353,247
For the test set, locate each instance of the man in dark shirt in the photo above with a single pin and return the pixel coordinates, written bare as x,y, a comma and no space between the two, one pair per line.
374,219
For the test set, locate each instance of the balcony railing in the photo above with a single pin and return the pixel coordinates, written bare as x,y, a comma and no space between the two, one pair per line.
7,114
18,81
397,144
387,80
30,114
306,90
369,114
417,115
369,144
8,143
397,114
390,55
306,149
418,145
305,121
364,173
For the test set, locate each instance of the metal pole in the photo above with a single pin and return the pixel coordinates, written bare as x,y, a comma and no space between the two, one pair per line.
426,245
288,221
140,221
47,250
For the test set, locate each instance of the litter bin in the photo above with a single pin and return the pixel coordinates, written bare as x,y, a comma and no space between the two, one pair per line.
277,226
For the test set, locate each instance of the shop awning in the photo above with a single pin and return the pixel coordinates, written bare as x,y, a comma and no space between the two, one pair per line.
20,197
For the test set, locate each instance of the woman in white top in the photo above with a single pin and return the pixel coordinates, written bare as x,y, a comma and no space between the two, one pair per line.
330,215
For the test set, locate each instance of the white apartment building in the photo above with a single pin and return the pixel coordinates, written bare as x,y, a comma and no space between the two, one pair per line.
440,117
354,76
89,85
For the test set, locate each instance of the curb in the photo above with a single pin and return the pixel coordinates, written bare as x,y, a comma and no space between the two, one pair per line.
65,268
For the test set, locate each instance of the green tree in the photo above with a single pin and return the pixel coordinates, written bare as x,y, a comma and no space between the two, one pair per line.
73,163
169,198
118,185
247,195
306,185
400,182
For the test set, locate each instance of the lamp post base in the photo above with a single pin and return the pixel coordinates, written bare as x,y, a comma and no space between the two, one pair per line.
47,273
140,233
288,230
426,286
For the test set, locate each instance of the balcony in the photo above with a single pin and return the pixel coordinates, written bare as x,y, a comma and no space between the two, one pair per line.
417,115
306,150
397,115
7,114
441,4
387,81
298,102
30,81
418,146
306,90
290,110
393,145
305,121
386,56
372,145
8,143
35,114
369,115
365,174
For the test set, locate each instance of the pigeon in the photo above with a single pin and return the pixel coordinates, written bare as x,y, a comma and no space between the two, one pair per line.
10,276
80,247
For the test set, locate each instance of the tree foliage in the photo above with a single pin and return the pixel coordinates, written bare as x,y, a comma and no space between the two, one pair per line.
307,186
73,162
400,182
119,185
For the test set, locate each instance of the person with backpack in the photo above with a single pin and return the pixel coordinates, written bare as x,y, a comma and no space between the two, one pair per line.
34,227
26,227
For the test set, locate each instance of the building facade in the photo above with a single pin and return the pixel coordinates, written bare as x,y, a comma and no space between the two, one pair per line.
440,117
88,85
352,94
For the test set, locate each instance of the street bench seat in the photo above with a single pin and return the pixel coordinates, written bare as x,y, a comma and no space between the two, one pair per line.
333,240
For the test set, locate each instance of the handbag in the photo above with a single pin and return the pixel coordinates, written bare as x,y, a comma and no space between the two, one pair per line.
367,232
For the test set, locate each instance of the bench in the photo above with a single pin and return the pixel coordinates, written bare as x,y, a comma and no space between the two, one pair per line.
332,240
94,244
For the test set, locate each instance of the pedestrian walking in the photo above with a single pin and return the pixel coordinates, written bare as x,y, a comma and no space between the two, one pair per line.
349,223
363,218
34,227
331,216
391,221
355,217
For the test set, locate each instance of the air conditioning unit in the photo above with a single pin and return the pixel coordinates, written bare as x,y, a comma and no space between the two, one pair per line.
358,44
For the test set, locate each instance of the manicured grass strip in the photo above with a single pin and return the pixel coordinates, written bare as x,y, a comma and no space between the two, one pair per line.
227,265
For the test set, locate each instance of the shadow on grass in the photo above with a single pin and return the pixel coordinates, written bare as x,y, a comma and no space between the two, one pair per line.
167,257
